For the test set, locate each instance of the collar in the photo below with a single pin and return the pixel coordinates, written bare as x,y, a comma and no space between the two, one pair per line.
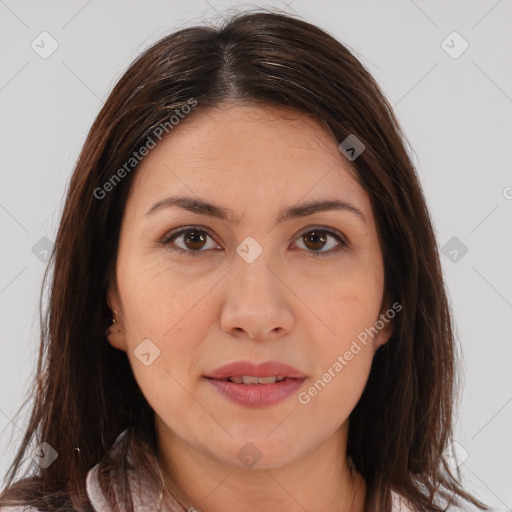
145,494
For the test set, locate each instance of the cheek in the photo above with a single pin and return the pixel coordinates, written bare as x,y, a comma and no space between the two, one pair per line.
333,393
348,307
163,303
175,318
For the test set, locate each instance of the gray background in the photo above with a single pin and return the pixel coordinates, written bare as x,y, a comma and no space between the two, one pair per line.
456,113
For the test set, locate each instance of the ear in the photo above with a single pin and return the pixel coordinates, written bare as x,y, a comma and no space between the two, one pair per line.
385,324
117,335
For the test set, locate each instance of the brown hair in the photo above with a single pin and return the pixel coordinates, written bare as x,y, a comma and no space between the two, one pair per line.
85,392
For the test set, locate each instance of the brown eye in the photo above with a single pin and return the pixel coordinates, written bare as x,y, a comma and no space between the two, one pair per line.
190,240
322,242
194,240
315,240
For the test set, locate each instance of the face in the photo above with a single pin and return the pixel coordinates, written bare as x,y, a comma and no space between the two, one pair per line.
199,287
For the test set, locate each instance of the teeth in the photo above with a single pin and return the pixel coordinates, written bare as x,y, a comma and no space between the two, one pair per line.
249,379
263,380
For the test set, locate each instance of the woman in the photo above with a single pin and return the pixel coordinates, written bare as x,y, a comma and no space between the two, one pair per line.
246,216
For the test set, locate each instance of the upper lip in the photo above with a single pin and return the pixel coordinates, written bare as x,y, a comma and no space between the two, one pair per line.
266,369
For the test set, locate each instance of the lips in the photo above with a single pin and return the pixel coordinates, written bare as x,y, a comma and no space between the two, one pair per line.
254,385
248,369
249,379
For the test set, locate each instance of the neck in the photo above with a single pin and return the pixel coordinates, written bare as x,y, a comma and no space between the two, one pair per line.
318,481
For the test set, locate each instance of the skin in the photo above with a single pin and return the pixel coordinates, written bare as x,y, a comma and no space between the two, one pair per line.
214,308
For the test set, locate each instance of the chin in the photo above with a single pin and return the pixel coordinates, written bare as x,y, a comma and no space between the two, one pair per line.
256,452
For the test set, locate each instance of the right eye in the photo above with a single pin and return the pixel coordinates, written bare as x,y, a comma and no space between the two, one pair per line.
193,241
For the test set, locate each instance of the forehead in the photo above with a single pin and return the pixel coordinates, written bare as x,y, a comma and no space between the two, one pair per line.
240,154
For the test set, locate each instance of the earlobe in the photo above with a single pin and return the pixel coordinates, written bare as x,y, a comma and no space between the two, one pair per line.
115,333
381,340
386,328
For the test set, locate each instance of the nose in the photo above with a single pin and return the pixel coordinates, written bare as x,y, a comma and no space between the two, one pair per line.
257,301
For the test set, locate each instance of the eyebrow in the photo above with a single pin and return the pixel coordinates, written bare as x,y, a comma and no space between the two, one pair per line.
201,207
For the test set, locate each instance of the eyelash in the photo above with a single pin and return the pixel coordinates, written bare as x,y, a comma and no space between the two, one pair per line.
168,237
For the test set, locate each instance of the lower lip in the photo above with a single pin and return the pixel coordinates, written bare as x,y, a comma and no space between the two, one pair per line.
257,395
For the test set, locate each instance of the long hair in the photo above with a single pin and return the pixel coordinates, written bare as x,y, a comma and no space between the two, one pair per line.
85,393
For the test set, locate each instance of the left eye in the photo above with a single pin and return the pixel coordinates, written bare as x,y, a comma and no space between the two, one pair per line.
319,237
195,240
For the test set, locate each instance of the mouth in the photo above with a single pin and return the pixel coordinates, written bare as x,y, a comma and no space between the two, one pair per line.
252,379
251,371
252,385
